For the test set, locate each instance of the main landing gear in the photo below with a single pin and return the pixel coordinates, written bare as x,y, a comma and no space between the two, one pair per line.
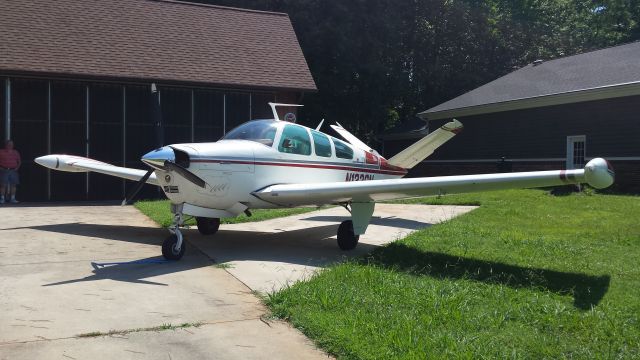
347,239
208,226
349,231
173,247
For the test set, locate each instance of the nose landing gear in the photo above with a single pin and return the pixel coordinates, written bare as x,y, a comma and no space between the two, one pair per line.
173,247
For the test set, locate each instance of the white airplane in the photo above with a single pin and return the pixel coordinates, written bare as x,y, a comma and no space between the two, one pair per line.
265,164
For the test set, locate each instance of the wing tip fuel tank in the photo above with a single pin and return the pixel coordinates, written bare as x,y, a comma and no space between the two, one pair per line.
599,173
59,162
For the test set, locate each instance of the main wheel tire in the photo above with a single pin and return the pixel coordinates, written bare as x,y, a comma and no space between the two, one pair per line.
169,248
347,239
208,226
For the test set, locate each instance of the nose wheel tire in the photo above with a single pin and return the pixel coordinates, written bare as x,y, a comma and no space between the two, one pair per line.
207,226
170,249
347,239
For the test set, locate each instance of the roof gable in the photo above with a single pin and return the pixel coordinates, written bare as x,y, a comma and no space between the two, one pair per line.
588,72
153,40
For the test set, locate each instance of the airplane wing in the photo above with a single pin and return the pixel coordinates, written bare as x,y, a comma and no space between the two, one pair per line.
597,173
420,150
71,163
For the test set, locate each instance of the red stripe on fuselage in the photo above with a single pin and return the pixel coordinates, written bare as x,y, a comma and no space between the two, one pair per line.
384,165
312,166
563,176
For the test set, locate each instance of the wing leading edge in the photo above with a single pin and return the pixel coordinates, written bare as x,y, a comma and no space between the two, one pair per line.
72,163
597,173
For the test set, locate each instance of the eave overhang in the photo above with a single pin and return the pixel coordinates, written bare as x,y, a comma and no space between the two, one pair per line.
570,97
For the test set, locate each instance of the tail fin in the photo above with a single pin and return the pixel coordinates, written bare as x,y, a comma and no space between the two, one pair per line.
417,152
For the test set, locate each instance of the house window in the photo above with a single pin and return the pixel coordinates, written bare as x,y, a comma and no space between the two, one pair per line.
576,151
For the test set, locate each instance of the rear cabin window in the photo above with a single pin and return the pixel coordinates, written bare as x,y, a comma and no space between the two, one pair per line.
295,140
321,144
343,150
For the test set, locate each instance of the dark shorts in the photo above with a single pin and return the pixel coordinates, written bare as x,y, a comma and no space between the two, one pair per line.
9,177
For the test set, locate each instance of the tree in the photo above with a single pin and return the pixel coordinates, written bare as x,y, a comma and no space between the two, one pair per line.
377,62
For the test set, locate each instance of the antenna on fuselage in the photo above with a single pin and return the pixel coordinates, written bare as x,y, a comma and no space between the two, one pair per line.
275,112
320,125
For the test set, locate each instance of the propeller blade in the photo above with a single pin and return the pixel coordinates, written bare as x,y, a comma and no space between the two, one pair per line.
136,189
156,113
185,173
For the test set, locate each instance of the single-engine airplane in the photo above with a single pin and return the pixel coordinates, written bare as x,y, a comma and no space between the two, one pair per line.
264,164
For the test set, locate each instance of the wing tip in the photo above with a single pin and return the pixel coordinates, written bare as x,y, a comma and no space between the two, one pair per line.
454,127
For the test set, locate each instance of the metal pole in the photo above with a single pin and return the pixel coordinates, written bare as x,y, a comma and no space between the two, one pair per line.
124,135
48,137
87,135
224,114
7,109
193,121
250,109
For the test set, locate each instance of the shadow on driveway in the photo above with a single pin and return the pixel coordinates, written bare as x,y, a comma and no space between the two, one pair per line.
377,220
138,270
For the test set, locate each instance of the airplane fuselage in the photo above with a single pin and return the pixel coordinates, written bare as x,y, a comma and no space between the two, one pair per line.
235,168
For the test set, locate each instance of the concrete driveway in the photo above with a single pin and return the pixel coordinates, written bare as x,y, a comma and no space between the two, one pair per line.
271,254
69,273
72,274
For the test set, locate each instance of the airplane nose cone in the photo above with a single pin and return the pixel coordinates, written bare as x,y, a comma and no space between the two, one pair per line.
156,158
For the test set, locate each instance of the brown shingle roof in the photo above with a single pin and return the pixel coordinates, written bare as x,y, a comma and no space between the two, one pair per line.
152,40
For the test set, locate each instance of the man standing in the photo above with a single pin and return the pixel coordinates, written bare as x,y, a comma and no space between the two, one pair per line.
9,165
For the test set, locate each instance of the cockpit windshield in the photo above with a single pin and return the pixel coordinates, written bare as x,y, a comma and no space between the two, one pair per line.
262,131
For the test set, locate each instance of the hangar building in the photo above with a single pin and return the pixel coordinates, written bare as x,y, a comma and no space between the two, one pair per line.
75,78
547,115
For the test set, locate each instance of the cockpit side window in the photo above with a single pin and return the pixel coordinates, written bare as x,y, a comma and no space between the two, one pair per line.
343,150
321,144
295,140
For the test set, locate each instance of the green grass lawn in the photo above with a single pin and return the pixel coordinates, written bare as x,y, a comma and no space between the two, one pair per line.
527,275
159,211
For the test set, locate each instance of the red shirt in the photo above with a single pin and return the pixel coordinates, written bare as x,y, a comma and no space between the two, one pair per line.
9,159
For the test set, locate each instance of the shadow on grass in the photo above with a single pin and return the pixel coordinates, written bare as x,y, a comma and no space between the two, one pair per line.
587,290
